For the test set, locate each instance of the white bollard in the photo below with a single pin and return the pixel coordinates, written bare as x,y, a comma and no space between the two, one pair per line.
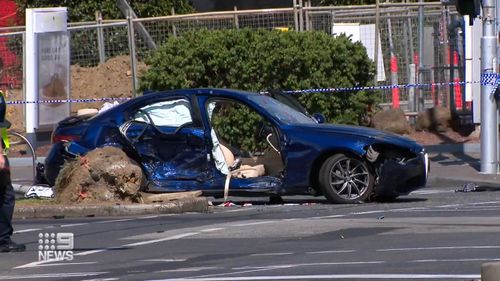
490,271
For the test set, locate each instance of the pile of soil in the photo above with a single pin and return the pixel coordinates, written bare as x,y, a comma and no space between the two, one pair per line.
103,175
113,79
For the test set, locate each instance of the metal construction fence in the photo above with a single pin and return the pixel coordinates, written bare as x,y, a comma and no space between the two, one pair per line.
396,49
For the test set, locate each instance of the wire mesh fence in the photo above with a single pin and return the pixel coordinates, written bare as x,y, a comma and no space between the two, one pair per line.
390,33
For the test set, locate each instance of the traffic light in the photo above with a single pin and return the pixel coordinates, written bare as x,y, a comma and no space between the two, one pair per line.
472,8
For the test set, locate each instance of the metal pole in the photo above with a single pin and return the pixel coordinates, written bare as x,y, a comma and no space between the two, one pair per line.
301,16
375,53
308,19
420,95
100,38
489,124
498,32
295,15
133,59
411,90
236,21
174,28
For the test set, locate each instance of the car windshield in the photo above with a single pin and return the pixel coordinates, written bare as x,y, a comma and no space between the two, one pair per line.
281,111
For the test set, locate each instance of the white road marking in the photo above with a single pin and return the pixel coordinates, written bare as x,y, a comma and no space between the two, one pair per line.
50,275
271,254
174,237
212,229
190,269
48,263
456,260
27,230
340,276
118,220
334,216
164,260
86,253
438,248
137,244
435,191
102,279
74,224
62,263
150,217
331,252
253,223
484,203
273,267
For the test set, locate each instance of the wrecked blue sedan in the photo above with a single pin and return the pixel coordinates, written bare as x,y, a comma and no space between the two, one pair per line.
181,142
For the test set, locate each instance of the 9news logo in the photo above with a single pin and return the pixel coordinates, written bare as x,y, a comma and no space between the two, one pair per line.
55,246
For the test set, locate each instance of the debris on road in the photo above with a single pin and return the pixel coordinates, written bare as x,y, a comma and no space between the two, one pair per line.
166,197
468,187
39,192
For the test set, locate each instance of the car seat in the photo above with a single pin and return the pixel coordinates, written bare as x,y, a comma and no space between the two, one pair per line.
244,171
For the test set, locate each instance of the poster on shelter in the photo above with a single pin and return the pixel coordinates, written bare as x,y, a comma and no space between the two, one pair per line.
53,77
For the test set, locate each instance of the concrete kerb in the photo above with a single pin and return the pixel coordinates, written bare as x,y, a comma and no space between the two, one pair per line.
197,204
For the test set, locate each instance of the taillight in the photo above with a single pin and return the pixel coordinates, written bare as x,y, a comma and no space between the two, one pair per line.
64,138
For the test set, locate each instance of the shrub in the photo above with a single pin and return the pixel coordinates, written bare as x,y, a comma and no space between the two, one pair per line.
258,60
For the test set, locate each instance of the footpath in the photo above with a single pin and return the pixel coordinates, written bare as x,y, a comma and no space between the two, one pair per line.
455,166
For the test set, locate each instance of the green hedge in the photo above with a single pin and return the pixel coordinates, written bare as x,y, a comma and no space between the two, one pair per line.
258,60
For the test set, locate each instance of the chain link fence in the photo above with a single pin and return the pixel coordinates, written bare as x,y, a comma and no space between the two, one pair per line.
395,47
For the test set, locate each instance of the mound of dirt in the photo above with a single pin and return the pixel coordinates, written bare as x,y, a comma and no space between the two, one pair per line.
103,175
113,79
392,120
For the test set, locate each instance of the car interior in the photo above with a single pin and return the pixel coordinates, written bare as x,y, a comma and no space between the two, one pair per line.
250,147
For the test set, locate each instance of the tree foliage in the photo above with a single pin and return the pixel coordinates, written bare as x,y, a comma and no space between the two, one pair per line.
84,10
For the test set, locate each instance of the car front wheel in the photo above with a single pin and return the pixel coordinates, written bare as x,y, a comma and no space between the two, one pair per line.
345,179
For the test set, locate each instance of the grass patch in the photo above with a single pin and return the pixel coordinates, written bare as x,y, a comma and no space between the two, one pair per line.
34,202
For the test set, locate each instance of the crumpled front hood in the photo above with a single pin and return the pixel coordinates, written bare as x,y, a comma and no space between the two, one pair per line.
363,132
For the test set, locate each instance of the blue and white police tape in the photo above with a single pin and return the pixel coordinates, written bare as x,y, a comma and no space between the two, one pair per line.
486,79
68,101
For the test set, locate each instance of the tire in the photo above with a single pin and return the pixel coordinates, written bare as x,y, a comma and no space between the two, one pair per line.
345,179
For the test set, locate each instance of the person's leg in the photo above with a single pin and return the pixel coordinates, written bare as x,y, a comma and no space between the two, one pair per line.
7,201
6,206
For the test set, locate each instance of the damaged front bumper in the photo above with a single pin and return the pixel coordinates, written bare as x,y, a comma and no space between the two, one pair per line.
401,178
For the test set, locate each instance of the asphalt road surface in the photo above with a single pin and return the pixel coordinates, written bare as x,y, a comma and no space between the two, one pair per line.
433,234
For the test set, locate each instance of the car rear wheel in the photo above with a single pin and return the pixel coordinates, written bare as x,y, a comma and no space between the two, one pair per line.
345,179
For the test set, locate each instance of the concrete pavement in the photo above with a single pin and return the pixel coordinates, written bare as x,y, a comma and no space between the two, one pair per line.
457,165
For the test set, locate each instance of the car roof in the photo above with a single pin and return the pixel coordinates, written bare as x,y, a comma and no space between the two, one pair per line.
201,91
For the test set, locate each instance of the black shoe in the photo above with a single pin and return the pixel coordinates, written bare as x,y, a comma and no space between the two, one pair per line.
11,246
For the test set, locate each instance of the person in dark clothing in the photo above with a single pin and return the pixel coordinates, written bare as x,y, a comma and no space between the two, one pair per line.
7,197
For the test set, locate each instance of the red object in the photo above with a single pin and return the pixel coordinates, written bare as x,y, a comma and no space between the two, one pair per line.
11,62
64,138
457,87
395,90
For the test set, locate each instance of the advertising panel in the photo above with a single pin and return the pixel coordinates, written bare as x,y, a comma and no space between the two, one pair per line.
53,76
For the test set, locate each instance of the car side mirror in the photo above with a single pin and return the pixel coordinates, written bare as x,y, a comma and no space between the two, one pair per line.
319,117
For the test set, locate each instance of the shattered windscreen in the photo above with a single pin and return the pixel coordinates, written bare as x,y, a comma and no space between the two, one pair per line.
281,111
